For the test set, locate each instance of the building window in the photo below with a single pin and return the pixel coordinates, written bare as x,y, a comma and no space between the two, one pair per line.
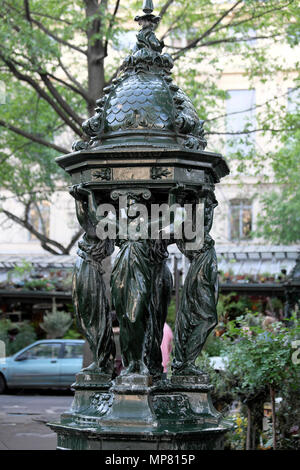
39,218
240,219
240,115
293,100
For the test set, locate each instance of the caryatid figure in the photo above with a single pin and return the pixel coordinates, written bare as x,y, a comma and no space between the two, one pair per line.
197,315
141,286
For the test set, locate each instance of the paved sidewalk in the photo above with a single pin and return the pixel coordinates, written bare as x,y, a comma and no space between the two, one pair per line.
23,420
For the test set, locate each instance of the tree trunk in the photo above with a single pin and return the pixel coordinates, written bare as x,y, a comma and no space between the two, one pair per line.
95,53
272,395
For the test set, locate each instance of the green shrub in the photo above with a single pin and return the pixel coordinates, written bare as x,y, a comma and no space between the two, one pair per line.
24,337
213,345
56,324
72,334
39,284
5,327
171,317
260,367
21,271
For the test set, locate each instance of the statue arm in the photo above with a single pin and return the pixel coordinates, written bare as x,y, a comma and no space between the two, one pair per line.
86,206
80,205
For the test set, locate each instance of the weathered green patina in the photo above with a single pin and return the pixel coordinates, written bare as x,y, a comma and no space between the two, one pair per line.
197,315
90,302
146,144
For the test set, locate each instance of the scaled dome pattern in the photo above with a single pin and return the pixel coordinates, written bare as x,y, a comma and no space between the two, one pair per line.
140,101
143,101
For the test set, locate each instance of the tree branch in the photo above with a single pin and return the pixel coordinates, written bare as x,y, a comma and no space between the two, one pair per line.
6,157
174,25
56,38
57,20
227,40
254,17
165,8
44,15
40,215
74,239
73,80
44,29
237,40
25,78
252,108
33,137
208,31
26,213
45,241
27,11
29,193
80,92
262,129
59,98
111,24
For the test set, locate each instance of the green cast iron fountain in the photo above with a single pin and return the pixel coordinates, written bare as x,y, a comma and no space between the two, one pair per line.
145,146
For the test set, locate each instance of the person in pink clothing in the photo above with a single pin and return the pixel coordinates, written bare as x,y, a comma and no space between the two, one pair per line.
166,346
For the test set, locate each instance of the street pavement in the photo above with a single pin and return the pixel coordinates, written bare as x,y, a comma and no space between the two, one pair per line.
23,418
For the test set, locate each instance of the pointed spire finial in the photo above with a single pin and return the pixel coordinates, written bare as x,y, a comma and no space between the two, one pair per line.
148,6
147,10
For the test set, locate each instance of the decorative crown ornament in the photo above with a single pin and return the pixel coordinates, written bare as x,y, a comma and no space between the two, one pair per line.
143,96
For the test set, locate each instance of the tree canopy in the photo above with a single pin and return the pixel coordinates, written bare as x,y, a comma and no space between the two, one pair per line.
56,58
280,219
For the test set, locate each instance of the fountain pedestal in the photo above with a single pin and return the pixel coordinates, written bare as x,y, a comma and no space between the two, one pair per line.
133,414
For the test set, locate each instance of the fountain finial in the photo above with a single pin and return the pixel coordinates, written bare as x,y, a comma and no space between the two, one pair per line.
148,17
148,6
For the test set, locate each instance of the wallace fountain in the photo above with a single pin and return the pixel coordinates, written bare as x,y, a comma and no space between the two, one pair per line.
144,150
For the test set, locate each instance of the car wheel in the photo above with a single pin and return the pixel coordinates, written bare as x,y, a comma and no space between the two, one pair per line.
2,384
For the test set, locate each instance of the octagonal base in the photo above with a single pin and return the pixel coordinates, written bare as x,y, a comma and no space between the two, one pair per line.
134,414
77,438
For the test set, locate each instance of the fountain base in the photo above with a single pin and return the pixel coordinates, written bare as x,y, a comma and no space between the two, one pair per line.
132,413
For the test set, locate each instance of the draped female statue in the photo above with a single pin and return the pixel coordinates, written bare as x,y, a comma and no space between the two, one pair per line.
90,301
197,315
